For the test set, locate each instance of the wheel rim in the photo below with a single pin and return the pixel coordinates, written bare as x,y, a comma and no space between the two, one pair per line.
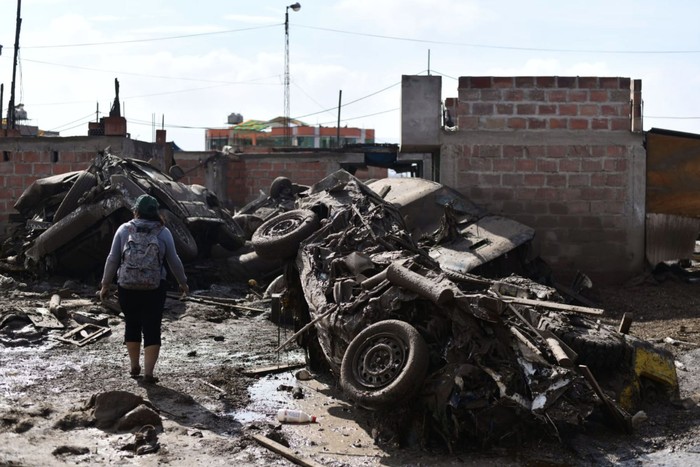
379,361
283,227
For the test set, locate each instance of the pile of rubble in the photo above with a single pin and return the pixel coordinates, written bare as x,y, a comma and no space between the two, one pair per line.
448,352
426,308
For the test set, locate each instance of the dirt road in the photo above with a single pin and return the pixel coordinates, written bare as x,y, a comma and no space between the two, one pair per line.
211,411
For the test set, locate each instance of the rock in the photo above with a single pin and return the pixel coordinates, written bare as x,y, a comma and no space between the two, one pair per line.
639,418
139,417
110,406
24,426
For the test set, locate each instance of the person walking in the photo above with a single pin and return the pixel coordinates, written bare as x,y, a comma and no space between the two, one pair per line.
136,257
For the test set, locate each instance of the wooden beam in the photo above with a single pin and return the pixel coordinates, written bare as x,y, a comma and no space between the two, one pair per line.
554,305
284,451
266,370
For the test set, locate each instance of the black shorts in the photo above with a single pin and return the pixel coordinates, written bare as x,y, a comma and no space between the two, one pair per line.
143,314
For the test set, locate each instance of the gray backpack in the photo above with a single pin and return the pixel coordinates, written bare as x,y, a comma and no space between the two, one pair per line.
141,265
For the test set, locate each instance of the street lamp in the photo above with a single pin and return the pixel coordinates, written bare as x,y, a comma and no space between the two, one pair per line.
287,129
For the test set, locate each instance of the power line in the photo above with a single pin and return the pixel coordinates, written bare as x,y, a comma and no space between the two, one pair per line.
351,102
149,76
361,116
672,118
81,120
378,36
500,47
75,126
443,74
183,127
184,36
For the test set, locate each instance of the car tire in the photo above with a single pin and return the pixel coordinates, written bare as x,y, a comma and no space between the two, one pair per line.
597,346
185,244
280,236
385,364
82,185
279,185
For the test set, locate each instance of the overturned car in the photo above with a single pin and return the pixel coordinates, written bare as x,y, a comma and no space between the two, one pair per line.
399,316
67,221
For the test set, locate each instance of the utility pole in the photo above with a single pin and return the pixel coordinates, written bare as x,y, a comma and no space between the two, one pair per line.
337,129
287,128
11,107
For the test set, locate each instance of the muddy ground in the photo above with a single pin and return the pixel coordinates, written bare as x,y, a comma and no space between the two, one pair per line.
211,411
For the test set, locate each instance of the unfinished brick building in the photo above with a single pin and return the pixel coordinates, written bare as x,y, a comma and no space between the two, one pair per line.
564,155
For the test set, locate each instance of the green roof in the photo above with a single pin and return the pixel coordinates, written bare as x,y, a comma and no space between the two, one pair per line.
251,125
260,125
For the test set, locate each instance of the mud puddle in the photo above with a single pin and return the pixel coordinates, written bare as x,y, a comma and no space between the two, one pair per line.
267,396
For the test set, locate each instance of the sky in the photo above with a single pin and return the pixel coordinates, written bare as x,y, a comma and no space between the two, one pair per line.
187,65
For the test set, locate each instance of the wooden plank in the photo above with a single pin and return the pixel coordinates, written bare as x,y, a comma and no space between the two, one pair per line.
625,323
221,391
214,302
621,418
573,294
284,452
558,352
554,305
266,370
84,334
43,318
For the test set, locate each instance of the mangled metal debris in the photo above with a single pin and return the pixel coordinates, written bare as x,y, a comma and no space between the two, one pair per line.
43,318
477,358
70,219
84,334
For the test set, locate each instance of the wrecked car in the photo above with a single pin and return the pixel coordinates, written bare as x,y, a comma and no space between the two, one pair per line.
69,219
282,196
472,240
451,354
246,264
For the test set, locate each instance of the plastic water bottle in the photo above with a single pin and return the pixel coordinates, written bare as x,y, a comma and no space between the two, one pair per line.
294,416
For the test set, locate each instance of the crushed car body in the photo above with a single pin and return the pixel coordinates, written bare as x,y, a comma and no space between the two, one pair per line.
69,219
472,238
458,355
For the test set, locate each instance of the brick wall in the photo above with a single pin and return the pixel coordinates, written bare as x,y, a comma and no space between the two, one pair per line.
558,154
238,179
23,160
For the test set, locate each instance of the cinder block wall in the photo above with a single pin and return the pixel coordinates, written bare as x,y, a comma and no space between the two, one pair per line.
558,154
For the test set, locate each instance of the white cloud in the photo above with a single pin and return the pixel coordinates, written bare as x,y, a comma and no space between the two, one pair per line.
253,19
422,19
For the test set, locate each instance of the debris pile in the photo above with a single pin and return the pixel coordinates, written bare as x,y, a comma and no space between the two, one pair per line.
66,222
426,308
468,356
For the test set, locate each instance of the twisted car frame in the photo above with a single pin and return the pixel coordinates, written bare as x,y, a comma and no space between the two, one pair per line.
67,221
398,315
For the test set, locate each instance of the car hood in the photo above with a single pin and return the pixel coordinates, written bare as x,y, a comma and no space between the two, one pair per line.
481,237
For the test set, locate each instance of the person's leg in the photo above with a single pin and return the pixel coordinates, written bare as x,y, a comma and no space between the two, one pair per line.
134,350
132,328
152,330
150,357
